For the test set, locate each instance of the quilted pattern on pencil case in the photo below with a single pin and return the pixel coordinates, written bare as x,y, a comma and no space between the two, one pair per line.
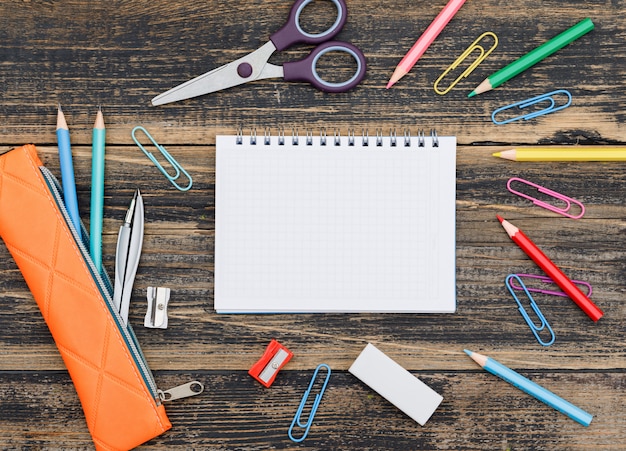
120,410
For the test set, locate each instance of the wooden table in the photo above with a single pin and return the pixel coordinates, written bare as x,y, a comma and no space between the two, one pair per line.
120,54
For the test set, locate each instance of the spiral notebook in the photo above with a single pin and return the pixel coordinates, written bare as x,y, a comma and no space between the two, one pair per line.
308,224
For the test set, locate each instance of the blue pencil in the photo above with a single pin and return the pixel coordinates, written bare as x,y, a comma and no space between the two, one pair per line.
67,170
530,387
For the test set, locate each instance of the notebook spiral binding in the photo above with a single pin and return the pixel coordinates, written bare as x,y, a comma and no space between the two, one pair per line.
336,138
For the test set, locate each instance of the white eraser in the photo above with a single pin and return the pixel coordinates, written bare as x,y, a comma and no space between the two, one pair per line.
395,384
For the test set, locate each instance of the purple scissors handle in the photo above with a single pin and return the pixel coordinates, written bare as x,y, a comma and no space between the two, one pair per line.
292,33
306,69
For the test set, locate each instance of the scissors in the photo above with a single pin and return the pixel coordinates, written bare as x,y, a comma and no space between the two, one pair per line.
255,66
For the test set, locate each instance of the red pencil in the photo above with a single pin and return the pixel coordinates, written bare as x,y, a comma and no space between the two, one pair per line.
551,270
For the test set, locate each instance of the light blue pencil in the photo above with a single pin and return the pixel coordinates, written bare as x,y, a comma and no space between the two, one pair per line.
530,387
67,170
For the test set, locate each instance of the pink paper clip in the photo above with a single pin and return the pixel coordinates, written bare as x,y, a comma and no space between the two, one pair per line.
540,189
547,280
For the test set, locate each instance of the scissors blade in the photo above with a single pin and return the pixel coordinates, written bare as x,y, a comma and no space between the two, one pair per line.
227,76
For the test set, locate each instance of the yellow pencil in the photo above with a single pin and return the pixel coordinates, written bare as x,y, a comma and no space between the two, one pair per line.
564,153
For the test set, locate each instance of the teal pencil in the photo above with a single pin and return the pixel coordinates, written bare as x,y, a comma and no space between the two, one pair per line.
97,190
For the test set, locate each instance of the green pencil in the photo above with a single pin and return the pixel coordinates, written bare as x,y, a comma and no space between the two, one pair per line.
533,57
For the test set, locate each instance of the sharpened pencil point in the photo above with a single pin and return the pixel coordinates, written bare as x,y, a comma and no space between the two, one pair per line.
471,94
497,154
500,218
99,124
61,122
468,352
398,73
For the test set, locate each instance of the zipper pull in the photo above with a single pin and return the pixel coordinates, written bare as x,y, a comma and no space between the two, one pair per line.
182,391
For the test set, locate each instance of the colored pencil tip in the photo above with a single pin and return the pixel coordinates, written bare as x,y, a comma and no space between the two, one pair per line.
497,154
61,122
99,119
469,353
500,218
471,94
398,73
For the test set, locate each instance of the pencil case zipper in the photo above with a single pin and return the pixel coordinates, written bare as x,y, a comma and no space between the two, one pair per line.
104,286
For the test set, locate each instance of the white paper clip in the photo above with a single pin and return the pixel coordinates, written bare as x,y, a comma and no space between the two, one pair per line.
156,317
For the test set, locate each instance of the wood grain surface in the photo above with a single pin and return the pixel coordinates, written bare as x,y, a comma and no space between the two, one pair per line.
119,54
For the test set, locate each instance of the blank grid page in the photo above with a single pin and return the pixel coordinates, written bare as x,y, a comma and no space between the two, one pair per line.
326,228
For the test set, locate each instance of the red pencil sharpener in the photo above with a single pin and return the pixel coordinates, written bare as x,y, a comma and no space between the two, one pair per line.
273,359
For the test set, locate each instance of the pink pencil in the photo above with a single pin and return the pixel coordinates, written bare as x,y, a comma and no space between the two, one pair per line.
425,40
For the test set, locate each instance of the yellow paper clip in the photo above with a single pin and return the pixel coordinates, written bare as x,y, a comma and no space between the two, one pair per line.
170,159
482,55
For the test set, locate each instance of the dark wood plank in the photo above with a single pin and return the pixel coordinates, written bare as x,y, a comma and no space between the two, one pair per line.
350,416
120,54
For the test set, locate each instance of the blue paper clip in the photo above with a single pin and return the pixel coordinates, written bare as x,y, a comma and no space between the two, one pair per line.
177,167
297,419
543,324
533,101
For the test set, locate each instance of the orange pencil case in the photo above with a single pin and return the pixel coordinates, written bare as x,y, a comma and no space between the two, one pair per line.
116,388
